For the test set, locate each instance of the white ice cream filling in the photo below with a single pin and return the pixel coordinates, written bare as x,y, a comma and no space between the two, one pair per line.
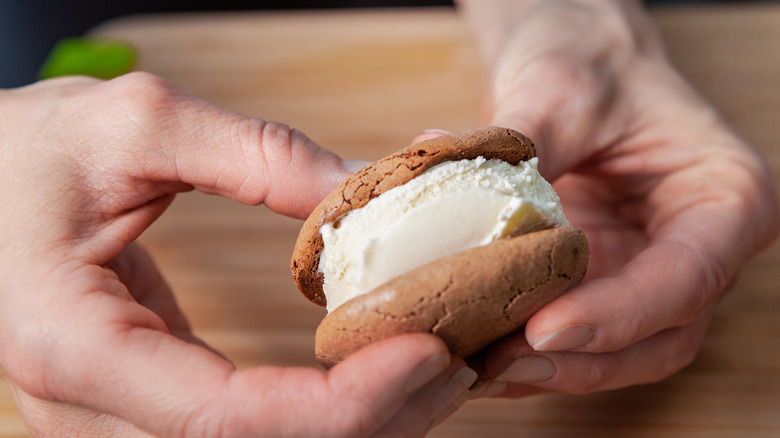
449,208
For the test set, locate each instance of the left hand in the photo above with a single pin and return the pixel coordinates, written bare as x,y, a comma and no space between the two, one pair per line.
92,342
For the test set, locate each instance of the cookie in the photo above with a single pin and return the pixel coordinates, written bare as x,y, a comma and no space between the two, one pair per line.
387,173
469,299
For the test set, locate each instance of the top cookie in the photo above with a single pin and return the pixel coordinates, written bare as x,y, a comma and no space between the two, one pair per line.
390,172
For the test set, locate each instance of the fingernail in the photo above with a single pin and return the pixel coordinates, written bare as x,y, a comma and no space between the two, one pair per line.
352,166
566,339
424,373
454,393
428,134
489,388
529,369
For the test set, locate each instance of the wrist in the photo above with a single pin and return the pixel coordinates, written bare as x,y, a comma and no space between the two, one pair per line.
558,65
496,22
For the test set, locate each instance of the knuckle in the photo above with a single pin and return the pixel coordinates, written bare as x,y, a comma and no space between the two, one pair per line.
630,324
247,135
685,349
143,97
355,419
137,81
279,144
592,379
688,351
633,330
62,83
711,281
20,365
275,134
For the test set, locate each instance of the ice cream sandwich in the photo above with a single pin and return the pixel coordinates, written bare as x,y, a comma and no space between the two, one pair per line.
458,236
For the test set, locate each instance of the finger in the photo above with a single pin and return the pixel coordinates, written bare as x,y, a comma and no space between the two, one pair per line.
429,134
562,129
653,359
377,372
353,166
486,386
433,403
681,272
118,359
112,356
360,394
664,286
135,269
160,134
428,396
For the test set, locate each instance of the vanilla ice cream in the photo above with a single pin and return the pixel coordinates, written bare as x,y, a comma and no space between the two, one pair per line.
449,208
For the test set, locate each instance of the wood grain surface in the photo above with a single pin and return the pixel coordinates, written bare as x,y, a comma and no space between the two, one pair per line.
363,83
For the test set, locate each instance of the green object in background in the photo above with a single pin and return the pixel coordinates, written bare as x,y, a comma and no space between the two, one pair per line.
96,57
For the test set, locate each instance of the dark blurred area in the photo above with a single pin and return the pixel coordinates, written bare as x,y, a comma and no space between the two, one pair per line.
30,28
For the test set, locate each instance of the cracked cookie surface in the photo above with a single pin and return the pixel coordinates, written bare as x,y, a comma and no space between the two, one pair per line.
469,299
390,172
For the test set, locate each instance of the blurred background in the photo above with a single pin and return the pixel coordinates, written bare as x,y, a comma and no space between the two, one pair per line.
30,28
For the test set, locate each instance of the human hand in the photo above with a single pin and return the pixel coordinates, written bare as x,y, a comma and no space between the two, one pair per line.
92,342
672,200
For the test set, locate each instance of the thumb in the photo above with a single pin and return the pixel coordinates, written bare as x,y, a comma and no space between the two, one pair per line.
407,384
389,388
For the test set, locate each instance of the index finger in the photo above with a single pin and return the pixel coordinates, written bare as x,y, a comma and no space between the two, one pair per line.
160,137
